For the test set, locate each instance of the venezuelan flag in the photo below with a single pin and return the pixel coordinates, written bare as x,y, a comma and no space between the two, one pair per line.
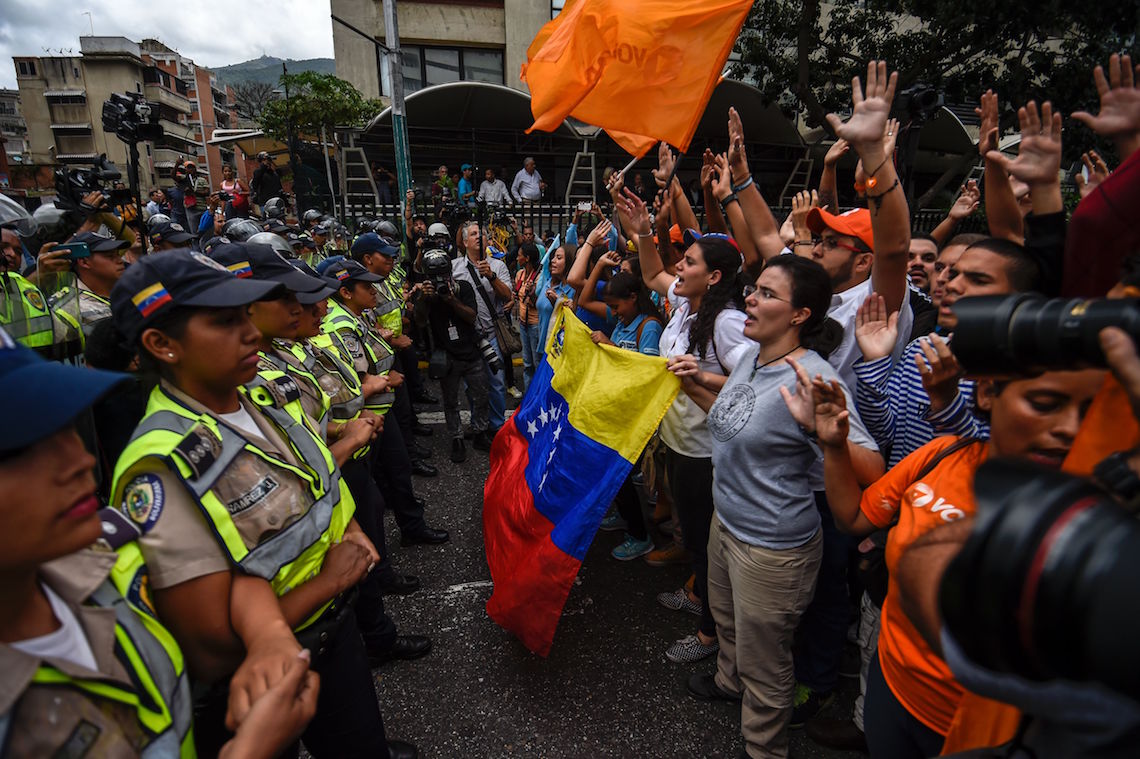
556,465
149,300
241,270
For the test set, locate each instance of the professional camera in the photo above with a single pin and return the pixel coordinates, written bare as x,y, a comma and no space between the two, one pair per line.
454,214
72,185
1045,586
1027,333
922,102
131,118
437,267
490,355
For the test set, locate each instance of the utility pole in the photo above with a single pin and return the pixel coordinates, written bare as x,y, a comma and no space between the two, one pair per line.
399,119
298,189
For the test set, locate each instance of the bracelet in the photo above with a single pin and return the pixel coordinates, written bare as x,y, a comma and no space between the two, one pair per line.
743,185
645,234
724,204
877,200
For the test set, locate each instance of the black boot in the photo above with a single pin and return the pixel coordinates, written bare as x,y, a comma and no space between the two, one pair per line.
458,450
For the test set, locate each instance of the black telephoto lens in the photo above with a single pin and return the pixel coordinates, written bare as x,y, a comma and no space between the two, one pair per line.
1026,333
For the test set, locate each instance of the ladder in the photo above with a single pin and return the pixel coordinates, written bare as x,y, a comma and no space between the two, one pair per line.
977,171
583,176
357,186
798,180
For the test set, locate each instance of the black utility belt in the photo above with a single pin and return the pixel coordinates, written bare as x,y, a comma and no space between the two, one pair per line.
316,636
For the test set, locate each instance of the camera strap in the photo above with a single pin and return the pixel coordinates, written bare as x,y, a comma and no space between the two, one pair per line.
476,281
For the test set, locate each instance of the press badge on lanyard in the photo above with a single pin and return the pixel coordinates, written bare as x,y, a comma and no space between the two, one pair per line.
452,333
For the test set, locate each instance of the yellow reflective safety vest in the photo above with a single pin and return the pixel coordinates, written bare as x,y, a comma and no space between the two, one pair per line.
290,357
359,340
25,314
227,475
387,313
62,714
336,376
91,307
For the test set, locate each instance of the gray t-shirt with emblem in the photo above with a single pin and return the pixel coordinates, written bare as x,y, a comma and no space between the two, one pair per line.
763,463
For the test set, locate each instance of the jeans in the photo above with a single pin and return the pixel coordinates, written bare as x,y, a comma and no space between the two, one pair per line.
496,389
629,507
869,619
757,596
691,483
890,729
823,629
529,335
474,372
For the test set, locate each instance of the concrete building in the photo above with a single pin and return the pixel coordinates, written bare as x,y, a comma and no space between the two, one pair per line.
443,41
13,130
62,100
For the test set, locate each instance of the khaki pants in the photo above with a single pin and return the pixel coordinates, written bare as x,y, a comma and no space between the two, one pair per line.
757,596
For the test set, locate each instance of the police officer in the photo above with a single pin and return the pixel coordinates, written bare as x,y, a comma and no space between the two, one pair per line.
85,670
168,235
232,486
24,311
372,355
96,272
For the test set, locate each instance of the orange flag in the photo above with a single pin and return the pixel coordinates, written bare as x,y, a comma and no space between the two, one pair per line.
643,70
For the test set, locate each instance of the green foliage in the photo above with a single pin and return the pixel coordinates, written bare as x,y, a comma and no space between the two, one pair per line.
1022,49
315,100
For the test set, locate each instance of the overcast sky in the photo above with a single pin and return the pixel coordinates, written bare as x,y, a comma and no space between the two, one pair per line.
211,32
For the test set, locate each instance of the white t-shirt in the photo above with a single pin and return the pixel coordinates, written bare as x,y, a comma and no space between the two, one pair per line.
460,271
683,428
241,421
844,307
68,643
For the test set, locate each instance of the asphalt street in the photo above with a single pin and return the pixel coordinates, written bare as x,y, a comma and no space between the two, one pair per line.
606,690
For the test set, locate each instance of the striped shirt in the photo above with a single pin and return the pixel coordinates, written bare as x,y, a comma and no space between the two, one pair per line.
896,408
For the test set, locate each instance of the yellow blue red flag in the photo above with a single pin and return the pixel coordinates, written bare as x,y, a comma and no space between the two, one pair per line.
643,70
556,465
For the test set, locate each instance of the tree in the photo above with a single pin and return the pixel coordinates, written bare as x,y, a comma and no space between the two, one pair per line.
1022,49
315,101
250,98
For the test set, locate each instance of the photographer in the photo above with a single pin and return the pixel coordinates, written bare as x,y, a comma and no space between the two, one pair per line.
266,182
450,308
493,291
185,207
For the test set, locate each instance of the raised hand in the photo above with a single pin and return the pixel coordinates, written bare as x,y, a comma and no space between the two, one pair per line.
599,234
940,371
722,178
664,164
1097,170
967,201
801,404
802,203
987,111
635,216
1119,116
831,415
1039,155
610,258
708,168
876,332
891,136
837,150
616,185
867,125
737,156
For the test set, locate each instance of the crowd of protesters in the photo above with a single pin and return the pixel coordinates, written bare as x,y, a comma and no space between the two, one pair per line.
249,392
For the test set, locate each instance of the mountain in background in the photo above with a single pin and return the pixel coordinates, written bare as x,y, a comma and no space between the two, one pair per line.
267,69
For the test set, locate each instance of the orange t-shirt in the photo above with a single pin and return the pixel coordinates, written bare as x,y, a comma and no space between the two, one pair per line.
1108,427
918,677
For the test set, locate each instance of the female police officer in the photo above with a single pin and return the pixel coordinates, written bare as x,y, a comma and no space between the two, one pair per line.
86,671
228,485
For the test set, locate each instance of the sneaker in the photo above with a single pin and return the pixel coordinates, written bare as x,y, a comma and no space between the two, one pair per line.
670,554
806,703
840,734
690,649
638,478
666,526
612,523
679,600
514,392
631,548
652,499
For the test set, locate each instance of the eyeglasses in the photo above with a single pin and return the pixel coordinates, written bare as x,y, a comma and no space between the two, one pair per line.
831,243
764,292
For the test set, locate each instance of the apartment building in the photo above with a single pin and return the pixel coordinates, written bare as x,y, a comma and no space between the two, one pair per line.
13,130
62,100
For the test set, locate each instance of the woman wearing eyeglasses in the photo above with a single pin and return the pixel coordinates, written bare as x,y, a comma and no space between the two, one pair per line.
765,543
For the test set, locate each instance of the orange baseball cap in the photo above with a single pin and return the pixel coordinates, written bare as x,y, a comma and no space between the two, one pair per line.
853,223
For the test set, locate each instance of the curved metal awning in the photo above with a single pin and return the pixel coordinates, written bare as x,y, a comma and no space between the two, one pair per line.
945,133
466,105
764,124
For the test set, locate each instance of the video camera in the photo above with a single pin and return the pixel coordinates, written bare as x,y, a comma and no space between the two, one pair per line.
1045,586
72,185
131,118
1025,333
454,214
437,268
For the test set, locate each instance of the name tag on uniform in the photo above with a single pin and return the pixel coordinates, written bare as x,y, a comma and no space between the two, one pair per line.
452,333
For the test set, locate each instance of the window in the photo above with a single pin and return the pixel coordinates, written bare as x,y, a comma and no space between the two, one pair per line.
425,66
556,7
75,71
26,68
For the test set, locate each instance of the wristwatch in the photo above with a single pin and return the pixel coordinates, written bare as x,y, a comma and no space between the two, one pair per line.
1116,476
